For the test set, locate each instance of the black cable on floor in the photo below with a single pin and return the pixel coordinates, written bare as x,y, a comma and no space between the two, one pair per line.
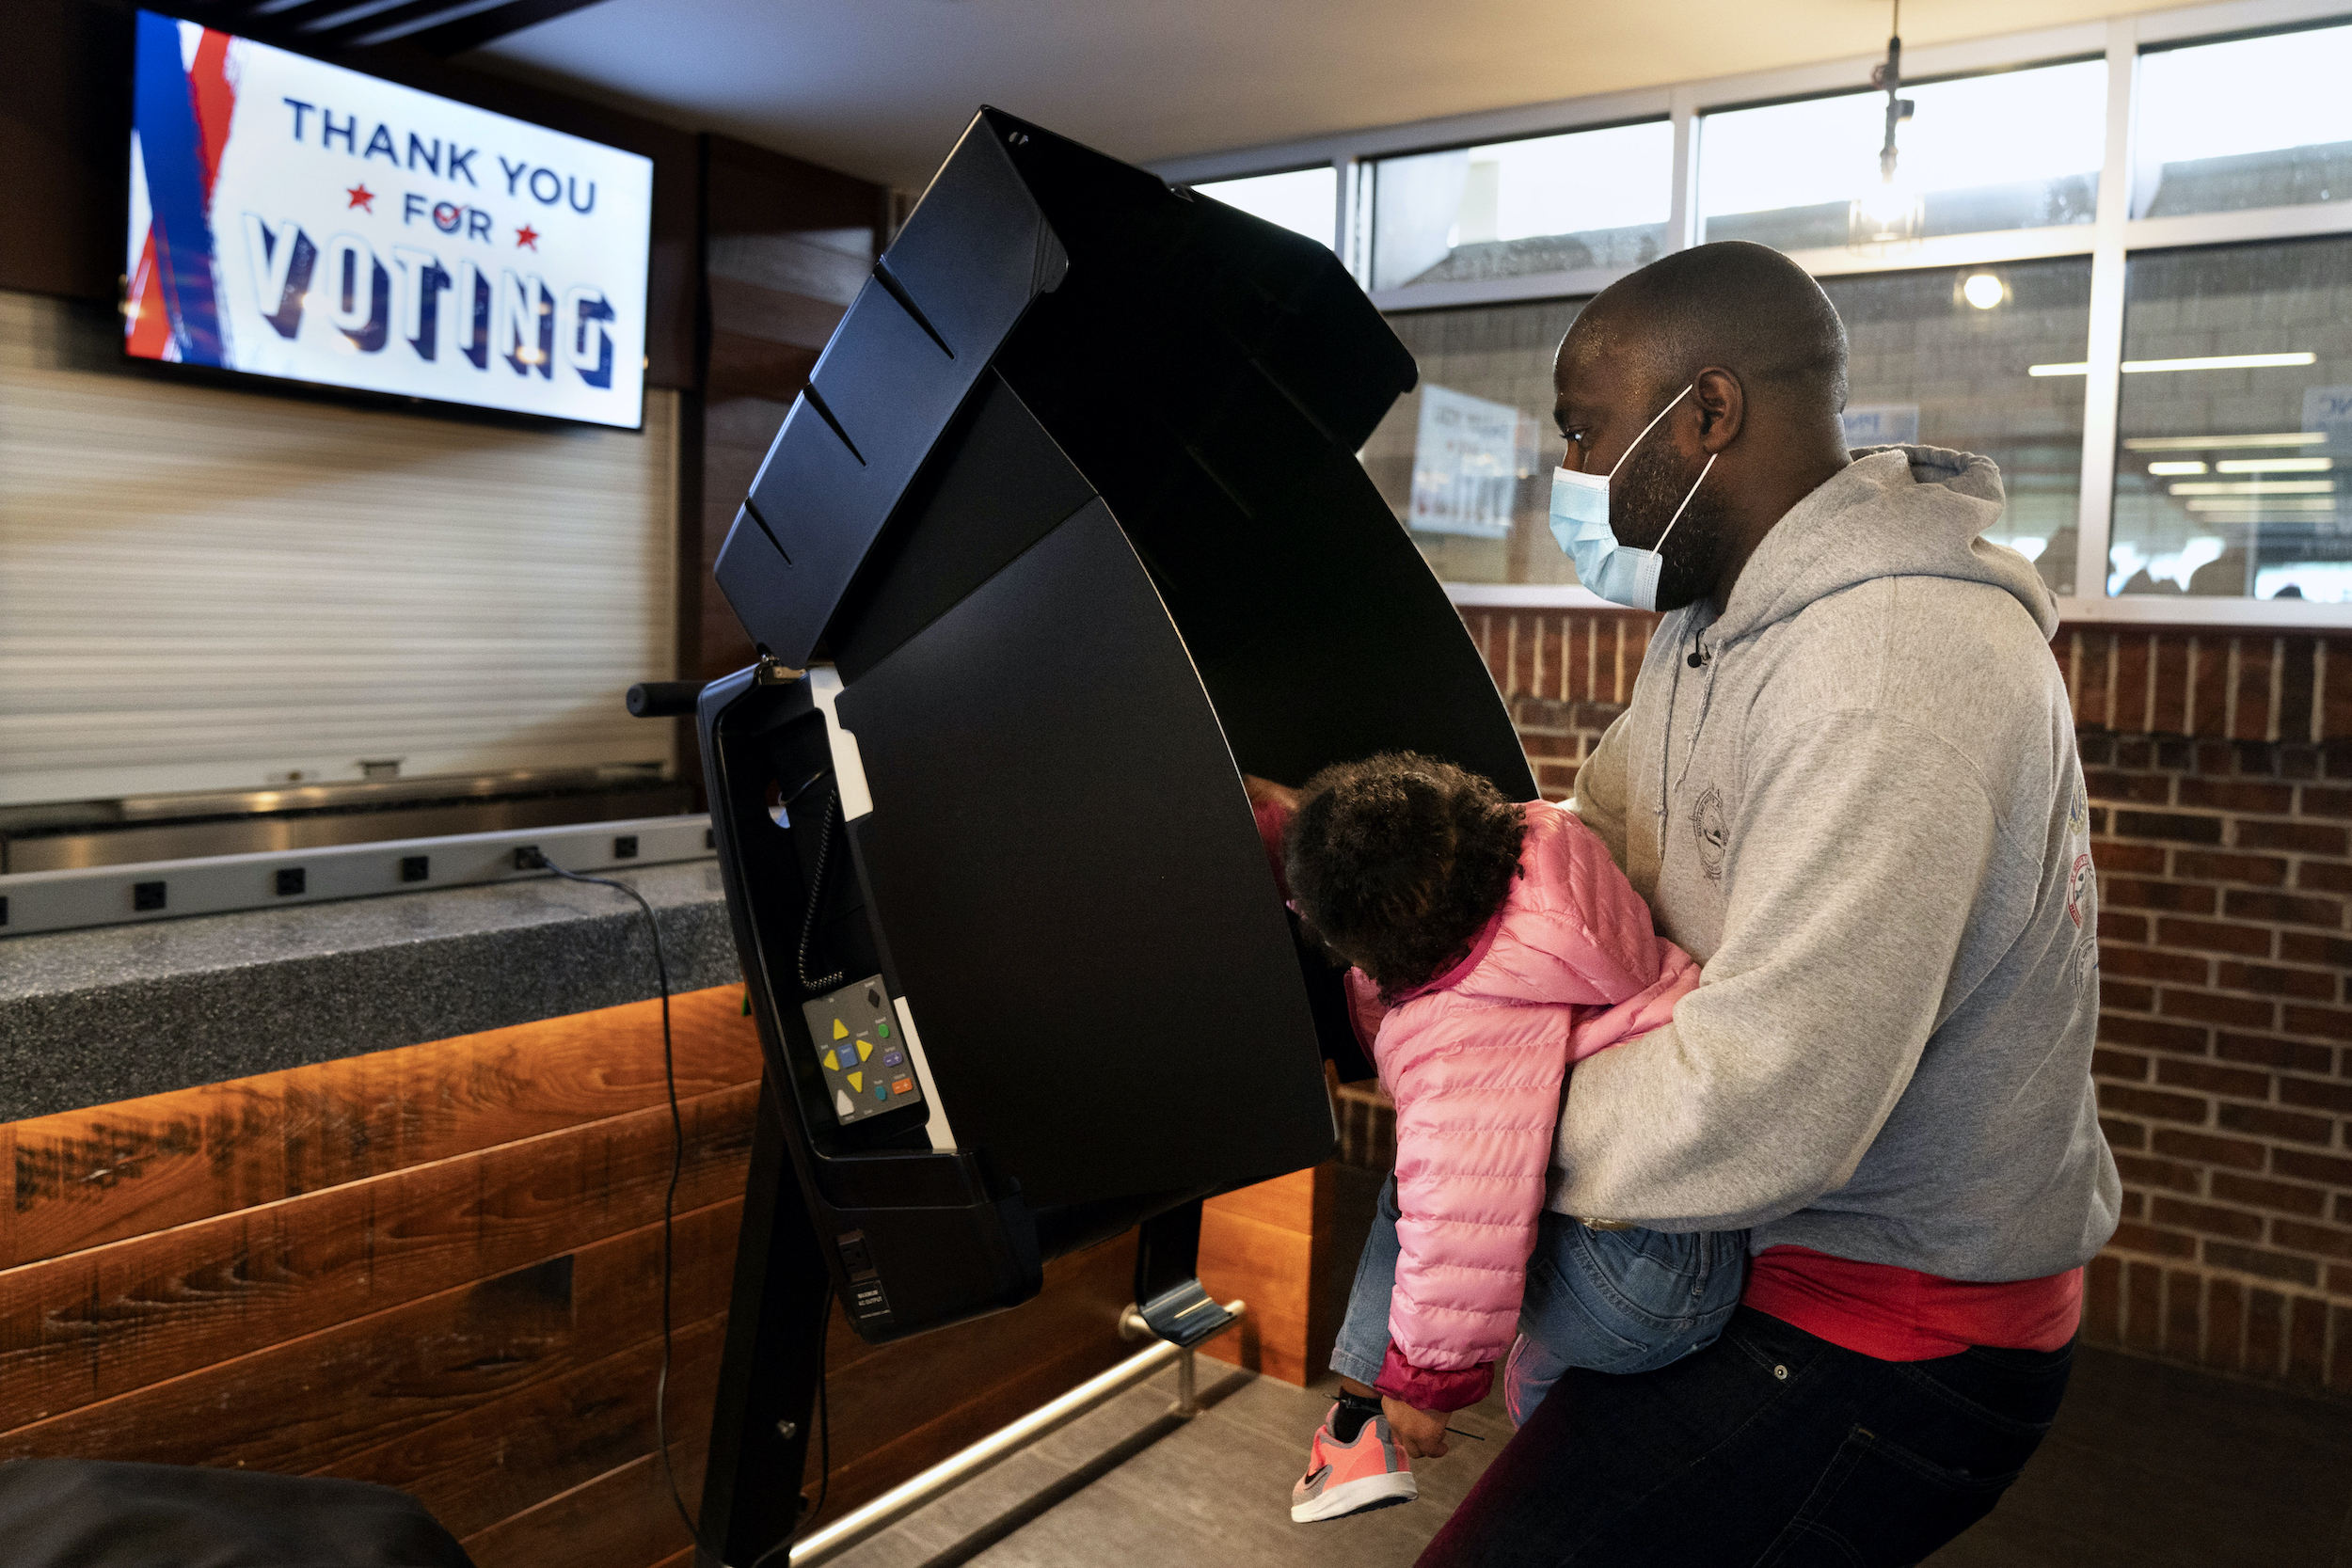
536,859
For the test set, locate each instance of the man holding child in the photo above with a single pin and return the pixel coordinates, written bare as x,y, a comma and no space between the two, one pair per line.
1847,787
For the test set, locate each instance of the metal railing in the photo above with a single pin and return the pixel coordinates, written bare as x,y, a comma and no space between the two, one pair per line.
865,1523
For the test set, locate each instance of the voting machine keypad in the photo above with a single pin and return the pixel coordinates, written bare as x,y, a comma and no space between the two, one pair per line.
868,1068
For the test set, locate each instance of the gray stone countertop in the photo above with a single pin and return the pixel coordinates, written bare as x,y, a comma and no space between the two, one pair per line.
91,1017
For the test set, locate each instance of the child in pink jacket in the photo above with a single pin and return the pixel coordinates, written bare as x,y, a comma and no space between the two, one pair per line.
1493,943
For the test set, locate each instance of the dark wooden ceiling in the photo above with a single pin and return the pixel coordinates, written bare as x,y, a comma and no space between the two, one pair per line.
331,27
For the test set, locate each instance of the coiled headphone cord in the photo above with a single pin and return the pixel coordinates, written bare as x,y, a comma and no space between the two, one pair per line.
816,897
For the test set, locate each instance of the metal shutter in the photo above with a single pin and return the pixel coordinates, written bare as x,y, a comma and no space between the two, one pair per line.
204,588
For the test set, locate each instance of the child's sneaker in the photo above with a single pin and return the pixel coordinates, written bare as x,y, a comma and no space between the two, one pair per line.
1349,1478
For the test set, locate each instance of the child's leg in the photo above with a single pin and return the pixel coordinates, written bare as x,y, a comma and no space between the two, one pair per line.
1619,1301
1354,1461
1528,1375
1363,1341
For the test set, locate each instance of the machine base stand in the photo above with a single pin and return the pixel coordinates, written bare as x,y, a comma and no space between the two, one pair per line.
1185,1314
874,1517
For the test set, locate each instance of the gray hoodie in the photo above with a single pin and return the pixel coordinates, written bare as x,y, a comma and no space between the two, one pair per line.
1863,812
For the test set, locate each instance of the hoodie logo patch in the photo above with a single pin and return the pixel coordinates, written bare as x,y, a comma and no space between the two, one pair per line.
2078,887
1714,836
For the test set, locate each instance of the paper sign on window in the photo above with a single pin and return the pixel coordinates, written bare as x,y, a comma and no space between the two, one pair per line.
1467,456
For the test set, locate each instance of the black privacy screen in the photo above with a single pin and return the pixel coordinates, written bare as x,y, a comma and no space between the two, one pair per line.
1066,532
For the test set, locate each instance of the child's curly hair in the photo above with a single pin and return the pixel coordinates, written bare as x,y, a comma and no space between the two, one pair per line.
1397,861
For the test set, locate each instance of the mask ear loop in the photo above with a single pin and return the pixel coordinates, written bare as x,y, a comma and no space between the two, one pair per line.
1645,429
1661,545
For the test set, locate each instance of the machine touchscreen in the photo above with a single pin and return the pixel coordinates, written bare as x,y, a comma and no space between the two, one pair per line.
868,1068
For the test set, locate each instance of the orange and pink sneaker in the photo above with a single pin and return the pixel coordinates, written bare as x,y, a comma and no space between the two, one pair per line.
1350,1478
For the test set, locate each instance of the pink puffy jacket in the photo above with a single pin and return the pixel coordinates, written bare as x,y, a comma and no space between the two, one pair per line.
1475,1060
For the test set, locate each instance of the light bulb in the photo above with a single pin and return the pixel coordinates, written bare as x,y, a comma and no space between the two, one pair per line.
1885,214
1983,291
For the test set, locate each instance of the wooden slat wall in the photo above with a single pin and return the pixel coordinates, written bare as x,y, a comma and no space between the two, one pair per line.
1267,1244
81,1179
438,1268
1262,1243
208,588
788,247
899,1409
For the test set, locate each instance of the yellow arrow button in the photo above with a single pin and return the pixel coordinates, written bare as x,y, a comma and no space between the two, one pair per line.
857,1080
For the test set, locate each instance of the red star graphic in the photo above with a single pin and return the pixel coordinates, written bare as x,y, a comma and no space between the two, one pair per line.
361,197
526,235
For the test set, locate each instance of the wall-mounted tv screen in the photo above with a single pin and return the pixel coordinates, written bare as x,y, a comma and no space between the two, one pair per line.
290,218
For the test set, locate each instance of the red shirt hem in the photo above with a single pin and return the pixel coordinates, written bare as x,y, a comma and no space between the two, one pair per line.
1897,1314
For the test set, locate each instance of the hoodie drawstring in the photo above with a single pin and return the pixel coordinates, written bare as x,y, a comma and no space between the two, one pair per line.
1706,701
1698,658
1666,749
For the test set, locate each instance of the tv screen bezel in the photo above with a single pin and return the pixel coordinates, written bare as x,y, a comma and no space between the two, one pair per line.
230,378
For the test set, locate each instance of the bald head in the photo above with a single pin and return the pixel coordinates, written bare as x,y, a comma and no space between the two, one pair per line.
1745,307
1708,386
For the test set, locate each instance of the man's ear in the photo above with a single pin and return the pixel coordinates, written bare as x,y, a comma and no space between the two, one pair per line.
1723,407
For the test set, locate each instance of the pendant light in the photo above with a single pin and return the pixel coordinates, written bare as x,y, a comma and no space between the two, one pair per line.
1891,214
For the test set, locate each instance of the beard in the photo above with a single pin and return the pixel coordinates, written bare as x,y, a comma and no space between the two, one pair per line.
1645,497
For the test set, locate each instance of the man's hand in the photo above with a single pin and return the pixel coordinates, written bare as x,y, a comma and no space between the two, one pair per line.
1419,1432
1262,790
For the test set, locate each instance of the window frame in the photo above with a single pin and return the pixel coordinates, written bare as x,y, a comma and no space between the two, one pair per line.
1427,296
1337,233
2109,241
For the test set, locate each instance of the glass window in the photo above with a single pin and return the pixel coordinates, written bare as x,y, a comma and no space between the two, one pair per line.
1466,457
2019,149
1944,356
2256,122
1304,200
1585,199
2236,409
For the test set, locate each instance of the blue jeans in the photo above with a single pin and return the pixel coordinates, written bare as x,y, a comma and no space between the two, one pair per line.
1608,1301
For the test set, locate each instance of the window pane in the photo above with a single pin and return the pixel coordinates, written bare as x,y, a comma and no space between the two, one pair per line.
2021,149
1588,199
1305,201
2235,423
1928,365
1943,358
1466,457
2261,122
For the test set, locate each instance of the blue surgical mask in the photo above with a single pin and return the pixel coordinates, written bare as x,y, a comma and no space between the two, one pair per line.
1580,521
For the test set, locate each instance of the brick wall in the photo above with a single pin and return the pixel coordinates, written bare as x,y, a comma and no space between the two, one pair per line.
2223,1073
1565,676
2219,768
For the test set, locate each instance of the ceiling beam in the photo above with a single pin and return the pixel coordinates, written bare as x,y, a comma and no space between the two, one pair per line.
460,34
332,28
303,15
381,25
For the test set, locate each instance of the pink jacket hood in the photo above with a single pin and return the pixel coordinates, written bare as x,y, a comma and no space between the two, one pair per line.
1570,965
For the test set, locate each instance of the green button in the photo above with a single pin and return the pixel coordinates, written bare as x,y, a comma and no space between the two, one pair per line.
883,1029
